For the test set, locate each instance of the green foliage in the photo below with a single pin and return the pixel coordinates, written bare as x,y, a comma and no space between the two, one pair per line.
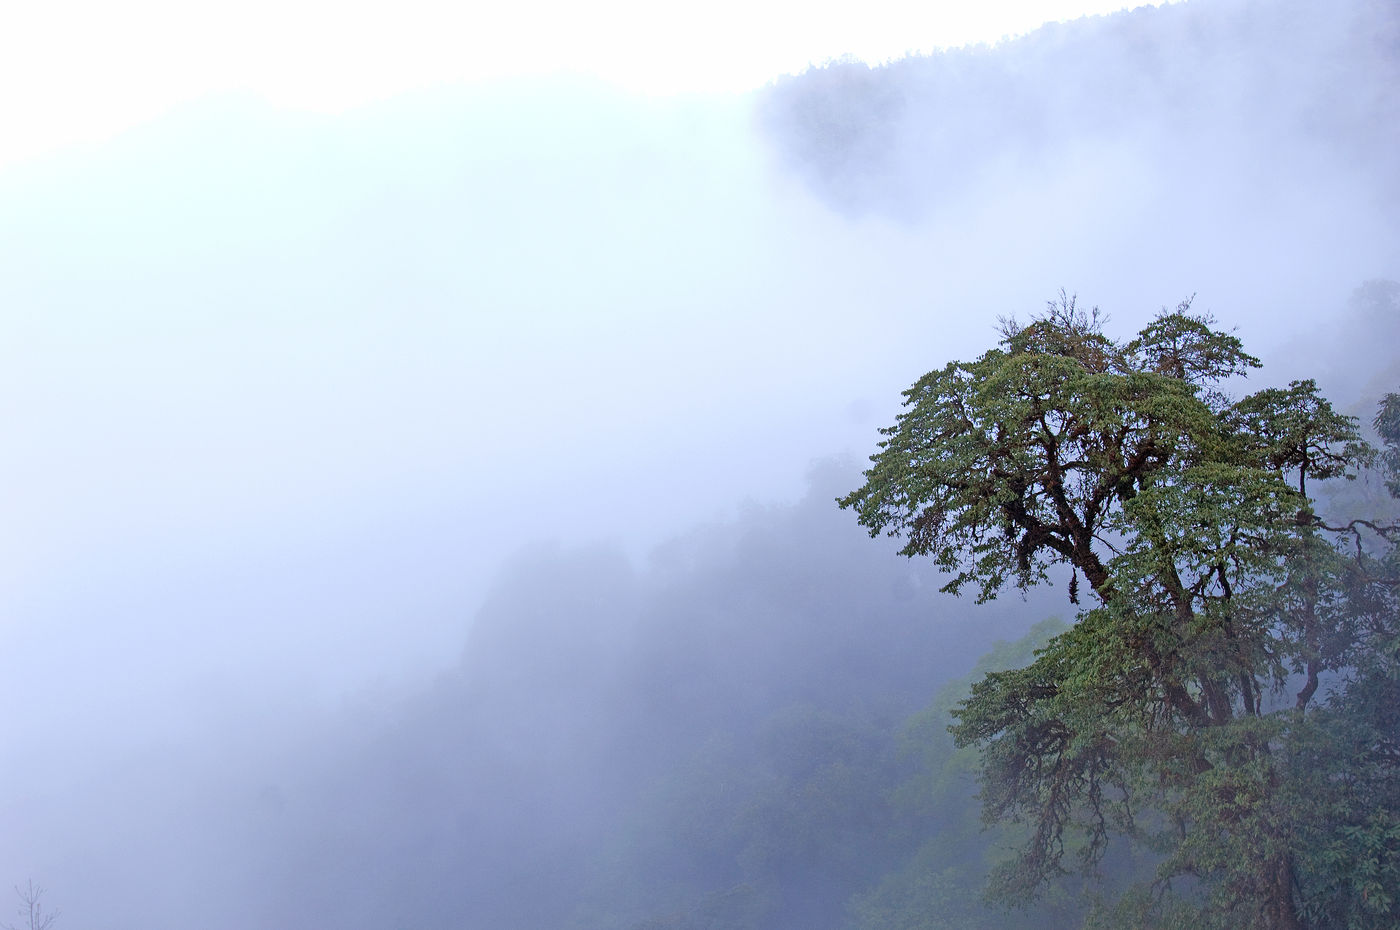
1387,423
1295,431
1156,720
1344,776
1344,761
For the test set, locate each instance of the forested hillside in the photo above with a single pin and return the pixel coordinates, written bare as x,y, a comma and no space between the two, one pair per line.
721,732
1228,98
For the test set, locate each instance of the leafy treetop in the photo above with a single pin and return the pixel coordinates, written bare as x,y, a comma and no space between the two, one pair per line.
1155,717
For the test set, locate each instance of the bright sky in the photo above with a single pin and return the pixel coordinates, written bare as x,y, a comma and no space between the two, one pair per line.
81,70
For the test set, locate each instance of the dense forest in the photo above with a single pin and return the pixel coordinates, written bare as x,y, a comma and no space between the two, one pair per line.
1103,634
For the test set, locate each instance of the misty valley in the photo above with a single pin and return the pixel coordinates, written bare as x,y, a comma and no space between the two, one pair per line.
962,492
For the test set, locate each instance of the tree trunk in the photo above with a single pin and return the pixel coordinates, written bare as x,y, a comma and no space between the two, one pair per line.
1280,911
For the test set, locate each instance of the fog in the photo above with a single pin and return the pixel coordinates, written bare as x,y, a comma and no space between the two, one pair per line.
395,500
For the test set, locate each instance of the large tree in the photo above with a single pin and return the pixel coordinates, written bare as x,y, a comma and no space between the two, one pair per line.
1175,712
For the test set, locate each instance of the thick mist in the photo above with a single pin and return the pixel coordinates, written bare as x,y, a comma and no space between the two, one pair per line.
397,501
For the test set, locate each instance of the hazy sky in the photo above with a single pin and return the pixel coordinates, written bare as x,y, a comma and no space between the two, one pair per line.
81,70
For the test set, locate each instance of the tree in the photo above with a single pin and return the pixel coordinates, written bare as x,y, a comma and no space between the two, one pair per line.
1346,762
1158,718
31,909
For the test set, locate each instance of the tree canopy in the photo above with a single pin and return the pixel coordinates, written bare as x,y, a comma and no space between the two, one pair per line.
1186,711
